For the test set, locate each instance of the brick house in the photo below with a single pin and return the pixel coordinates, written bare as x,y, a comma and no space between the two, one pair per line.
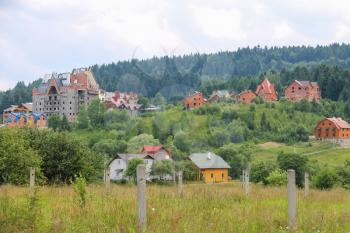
267,91
220,96
194,100
245,97
127,101
332,128
299,90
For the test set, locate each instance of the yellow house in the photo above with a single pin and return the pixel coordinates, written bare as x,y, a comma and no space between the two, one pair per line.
212,168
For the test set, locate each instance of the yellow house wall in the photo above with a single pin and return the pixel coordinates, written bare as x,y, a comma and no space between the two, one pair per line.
214,175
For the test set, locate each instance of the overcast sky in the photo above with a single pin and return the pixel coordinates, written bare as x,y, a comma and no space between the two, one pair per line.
42,36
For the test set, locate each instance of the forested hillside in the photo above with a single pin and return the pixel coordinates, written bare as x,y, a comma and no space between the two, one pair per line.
174,77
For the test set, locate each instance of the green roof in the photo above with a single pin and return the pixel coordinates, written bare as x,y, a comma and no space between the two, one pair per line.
208,160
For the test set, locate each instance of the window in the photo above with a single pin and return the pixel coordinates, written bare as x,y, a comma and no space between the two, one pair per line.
212,175
223,175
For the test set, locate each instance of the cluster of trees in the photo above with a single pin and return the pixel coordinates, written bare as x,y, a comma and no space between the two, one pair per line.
58,157
322,177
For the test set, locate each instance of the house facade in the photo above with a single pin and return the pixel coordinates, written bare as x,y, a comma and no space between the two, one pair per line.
299,90
149,154
20,119
194,100
24,108
219,96
245,97
211,167
332,129
64,94
267,91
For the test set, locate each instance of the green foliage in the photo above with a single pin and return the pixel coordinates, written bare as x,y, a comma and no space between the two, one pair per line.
190,171
96,111
293,161
132,166
344,175
136,143
16,157
83,121
261,170
237,157
162,169
277,178
325,178
182,141
160,127
54,122
79,185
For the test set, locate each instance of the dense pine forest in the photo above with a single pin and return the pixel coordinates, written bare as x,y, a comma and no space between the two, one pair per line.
174,77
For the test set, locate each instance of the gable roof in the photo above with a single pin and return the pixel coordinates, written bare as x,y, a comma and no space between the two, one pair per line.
266,86
246,92
128,157
339,123
153,149
306,83
208,160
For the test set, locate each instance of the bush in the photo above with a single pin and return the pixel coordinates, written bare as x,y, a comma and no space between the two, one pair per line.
344,174
293,161
326,178
277,178
261,170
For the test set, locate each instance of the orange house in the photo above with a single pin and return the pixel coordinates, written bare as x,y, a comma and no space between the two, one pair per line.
267,91
211,167
332,128
245,97
299,90
194,101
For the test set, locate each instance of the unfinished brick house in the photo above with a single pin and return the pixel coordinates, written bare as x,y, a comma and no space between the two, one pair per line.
194,100
267,91
64,94
332,128
245,97
299,90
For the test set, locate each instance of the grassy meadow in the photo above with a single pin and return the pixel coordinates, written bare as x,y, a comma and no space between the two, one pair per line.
203,208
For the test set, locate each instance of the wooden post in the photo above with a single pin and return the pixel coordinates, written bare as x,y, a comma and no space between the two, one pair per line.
141,197
306,185
108,178
31,178
292,200
243,179
179,175
246,181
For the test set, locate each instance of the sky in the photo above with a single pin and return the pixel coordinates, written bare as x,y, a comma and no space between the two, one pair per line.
44,36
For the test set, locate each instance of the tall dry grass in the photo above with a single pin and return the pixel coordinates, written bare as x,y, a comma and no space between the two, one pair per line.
203,208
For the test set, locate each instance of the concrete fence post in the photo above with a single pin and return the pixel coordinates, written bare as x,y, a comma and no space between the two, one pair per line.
243,178
292,200
246,181
31,178
306,185
180,187
141,197
107,176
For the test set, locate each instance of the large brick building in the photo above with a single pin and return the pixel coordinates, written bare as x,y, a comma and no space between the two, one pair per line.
64,94
299,90
332,128
267,91
194,100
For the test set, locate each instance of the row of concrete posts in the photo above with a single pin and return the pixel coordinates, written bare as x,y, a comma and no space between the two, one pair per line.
141,192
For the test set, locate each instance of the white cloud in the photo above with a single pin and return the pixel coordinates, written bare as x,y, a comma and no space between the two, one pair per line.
39,36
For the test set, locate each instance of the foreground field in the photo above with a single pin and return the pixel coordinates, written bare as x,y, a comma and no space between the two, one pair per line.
203,208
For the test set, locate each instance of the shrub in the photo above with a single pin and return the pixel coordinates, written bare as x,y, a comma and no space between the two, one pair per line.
131,169
326,178
293,161
277,178
261,170
79,185
344,174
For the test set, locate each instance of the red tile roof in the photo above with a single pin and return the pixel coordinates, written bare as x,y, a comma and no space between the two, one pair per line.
306,83
339,123
153,149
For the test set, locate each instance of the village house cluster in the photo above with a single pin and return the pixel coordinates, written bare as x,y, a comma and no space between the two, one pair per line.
211,167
